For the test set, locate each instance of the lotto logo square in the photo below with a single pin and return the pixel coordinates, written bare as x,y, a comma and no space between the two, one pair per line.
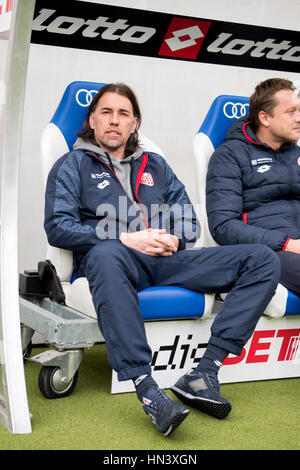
184,38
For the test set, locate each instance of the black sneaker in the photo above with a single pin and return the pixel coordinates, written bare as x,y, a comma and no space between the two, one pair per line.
165,413
196,389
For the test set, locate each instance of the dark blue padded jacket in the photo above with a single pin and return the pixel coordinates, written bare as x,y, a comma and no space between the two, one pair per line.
87,203
253,191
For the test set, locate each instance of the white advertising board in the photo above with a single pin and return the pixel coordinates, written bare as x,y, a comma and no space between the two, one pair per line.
272,352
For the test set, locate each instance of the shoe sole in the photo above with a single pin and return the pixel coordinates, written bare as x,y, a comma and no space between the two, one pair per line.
175,421
214,408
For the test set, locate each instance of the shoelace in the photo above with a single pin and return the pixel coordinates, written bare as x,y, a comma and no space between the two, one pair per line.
158,401
213,381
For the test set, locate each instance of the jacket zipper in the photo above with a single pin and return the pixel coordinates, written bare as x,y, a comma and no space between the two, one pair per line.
138,181
291,183
135,196
294,212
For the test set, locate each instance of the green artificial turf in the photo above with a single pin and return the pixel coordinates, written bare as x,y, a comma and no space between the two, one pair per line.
265,416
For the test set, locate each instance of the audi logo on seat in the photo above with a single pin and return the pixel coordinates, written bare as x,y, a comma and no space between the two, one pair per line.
235,110
84,97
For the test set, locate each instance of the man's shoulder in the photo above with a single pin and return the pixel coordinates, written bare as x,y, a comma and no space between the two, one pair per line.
72,156
70,160
155,160
152,154
228,149
296,146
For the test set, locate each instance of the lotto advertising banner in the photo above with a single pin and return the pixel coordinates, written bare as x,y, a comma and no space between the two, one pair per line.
106,28
272,352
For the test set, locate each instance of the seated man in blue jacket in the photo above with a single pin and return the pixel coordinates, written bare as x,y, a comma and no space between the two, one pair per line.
253,179
112,204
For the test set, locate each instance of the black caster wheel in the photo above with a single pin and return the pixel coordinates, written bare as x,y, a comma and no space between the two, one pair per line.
51,384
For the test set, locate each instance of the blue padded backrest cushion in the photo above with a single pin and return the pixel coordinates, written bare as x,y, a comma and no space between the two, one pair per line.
292,304
222,113
72,109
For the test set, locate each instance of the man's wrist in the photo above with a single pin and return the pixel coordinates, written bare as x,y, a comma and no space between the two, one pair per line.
123,236
285,246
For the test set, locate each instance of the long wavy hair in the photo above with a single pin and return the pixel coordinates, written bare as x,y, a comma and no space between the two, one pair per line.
87,132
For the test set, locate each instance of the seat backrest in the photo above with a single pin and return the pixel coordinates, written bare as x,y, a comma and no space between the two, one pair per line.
222,113
59,135
58,138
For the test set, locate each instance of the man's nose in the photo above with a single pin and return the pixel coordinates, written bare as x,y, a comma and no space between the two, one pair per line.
115,118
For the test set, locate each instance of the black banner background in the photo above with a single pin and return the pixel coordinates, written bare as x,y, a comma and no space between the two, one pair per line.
282,39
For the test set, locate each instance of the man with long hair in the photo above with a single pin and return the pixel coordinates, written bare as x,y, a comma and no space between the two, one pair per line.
103,202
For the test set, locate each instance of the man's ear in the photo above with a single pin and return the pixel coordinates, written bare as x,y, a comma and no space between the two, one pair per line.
134,125
264,118
91,121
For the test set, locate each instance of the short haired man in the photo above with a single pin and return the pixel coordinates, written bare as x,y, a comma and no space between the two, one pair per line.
134,248
253,180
